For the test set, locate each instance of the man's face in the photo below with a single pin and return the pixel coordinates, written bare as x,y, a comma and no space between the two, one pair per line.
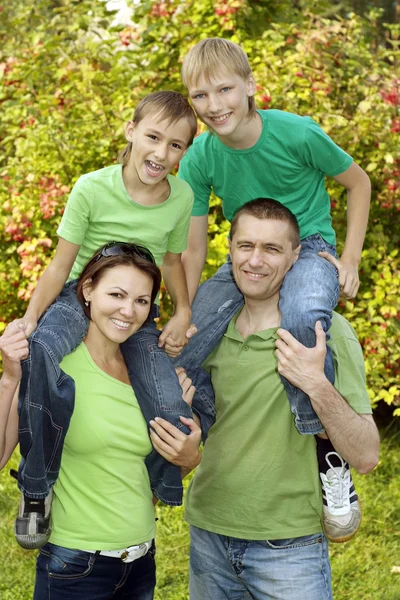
262,253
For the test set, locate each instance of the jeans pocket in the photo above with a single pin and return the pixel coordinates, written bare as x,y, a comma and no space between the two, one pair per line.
64,563
299,542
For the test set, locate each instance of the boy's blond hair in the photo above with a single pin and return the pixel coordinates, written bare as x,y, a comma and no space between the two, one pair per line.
210,56
168,105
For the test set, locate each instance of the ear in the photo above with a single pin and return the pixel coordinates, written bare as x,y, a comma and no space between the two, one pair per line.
296,253
129,129
87,289
251,86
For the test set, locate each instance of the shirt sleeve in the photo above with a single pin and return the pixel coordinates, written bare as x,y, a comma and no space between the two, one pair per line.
75,220
320,152
191,172
350,378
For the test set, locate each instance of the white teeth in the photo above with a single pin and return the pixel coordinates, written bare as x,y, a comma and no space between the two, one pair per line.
155,166
220,119
120,323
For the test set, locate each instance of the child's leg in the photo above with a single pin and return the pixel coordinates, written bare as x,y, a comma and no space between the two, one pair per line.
217,300
309,294
46,401
159,394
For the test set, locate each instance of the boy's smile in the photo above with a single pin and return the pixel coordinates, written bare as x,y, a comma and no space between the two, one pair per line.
157,147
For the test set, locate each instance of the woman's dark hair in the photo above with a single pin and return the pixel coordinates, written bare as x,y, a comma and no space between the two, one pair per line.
99,264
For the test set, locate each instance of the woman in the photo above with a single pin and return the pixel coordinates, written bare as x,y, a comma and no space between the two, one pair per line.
103,525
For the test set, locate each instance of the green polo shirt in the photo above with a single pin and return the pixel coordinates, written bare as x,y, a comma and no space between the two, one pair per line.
258,478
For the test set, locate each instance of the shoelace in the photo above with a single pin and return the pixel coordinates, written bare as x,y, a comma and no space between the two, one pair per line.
339,482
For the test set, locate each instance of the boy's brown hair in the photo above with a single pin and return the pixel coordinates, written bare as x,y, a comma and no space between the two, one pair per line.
168,105
210,56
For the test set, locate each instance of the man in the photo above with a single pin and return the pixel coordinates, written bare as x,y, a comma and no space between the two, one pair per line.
255,503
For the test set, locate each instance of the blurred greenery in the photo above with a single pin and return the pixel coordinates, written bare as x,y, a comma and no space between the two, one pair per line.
361,568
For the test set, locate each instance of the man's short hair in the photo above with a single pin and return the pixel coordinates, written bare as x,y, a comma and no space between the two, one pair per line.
211,56
266,208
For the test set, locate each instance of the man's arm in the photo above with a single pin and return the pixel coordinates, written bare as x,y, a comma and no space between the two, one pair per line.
358,187
354,436
195,255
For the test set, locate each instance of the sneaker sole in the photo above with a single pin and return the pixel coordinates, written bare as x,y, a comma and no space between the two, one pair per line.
348,537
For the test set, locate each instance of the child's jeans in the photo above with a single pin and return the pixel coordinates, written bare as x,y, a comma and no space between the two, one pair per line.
309,293
47,394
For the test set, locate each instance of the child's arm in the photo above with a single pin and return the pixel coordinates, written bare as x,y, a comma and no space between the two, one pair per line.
175,282
14,348
194,257
358,186
50,284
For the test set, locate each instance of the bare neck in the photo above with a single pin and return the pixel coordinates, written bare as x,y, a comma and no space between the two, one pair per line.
258,315
246,135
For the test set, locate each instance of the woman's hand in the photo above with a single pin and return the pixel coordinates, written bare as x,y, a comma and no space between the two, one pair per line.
14,348
174,445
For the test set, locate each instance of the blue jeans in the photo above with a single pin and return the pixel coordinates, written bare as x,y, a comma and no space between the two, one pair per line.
64,574
309,293
47,394
226,568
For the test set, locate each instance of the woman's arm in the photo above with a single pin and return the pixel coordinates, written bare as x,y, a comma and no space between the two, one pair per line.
50,284
14,348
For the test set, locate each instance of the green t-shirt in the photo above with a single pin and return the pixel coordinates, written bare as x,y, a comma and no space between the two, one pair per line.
100,210
288,163
102,498
258,478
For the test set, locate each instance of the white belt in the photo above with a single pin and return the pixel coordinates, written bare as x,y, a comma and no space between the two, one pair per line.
127,554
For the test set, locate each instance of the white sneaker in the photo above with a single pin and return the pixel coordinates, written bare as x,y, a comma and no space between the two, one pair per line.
341,508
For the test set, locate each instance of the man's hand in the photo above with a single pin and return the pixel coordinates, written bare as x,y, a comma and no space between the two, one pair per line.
188,390
348,275
174,445
176,334
14,348
303,367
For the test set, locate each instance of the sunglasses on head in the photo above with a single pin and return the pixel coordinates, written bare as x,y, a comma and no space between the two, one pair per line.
118,248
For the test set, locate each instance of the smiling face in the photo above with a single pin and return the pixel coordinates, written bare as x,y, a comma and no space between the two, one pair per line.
119,303
157,147
222,102
262,253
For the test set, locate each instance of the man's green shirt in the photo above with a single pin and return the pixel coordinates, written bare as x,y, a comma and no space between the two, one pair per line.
258,478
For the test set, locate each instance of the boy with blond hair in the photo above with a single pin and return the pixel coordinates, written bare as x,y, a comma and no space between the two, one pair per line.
249,153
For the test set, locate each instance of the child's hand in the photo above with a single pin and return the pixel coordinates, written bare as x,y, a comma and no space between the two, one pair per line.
28,324
176,335
14,348
348,275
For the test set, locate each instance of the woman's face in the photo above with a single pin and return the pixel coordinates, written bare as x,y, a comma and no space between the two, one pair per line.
120,302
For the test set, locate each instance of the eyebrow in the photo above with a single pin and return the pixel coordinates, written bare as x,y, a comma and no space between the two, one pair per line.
159,134
273,244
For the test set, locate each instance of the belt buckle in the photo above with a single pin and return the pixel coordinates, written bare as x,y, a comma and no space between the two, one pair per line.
124,555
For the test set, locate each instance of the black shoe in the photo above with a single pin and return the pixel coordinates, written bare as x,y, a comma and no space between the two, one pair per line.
32,526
